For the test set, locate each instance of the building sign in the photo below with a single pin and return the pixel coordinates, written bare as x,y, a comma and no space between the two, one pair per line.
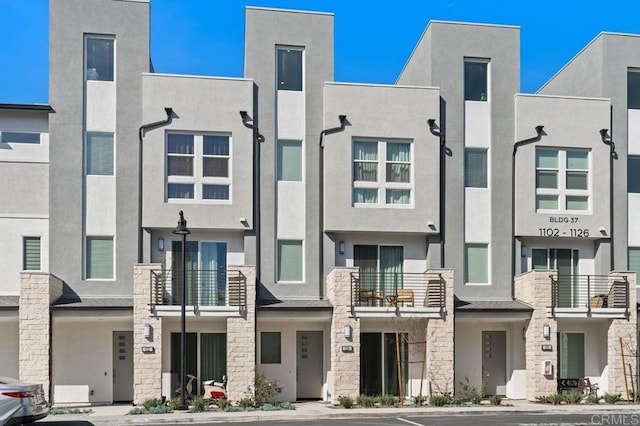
564,226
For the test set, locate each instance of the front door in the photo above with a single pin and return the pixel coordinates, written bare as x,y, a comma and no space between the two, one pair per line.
309,365
380,372
191,362
494,361
122,366
571,355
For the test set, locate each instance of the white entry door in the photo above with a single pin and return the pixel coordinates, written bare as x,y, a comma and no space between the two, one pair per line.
122,366
309,365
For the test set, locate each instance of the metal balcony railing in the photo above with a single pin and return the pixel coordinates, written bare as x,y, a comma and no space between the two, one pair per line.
377,289
204,288
589,291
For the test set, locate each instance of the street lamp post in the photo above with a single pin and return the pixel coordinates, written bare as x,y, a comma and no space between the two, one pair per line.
182,230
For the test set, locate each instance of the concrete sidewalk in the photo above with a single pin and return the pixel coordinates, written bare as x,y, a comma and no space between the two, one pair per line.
119,414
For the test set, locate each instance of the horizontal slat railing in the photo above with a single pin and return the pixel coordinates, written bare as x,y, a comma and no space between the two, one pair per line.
203,288
397,289
589,291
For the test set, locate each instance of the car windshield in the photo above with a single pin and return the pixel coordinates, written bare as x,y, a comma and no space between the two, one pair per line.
8,381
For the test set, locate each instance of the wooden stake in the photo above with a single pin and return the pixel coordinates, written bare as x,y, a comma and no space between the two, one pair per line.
400,390
424,364
624,371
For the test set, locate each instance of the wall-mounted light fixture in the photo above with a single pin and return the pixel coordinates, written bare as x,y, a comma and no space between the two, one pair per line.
341,247
348,331
160,244
546,331
148,331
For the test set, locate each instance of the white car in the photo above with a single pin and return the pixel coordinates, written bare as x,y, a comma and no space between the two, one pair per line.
21,402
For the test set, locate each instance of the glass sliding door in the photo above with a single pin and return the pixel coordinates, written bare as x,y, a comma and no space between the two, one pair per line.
571,355
213,356
213,267
379,363
365,258
391,258
192,361
371,364
176,271
391,369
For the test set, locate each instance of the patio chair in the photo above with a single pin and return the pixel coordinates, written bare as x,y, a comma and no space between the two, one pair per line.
405,296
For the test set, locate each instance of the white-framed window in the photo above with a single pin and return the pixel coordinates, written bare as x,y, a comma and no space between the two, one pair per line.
562,180
633,174
31,254
99,58
270,347
20,137
99,258
475,168
476,79
290,266
99,153
290,68
633,88
382,172
476,266
198,167
289,160
633,258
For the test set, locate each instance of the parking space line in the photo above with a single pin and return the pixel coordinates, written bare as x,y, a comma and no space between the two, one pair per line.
409,421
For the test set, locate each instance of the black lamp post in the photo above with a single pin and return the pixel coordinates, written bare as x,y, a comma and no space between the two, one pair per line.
182,229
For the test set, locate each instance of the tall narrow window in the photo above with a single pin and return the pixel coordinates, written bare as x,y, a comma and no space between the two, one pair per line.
475,168
180,156
633,174
475,80
476,269
31,250
634,259
289,261
289,161
99,153
99,58
633,89
99,258
289,68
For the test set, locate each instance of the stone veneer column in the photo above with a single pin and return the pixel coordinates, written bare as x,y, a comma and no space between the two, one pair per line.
626,329
147,367
241,341
345,366
534,288
37,292
440,343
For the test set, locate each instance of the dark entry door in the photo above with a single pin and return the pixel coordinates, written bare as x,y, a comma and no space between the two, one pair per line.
494,361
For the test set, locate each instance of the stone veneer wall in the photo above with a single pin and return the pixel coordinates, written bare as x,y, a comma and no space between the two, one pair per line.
241,341
345,366
440,343
147,367
37,292
627,330
534,288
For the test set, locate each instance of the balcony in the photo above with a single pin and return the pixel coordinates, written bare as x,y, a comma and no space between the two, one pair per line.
590,295
380,294
208,292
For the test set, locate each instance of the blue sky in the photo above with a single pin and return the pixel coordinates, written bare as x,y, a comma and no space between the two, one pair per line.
373,39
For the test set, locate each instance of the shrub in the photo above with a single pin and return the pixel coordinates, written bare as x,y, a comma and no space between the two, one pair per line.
456,401
232,408
575,397
612,398
592,399
287,406
345,401
555,398
174,403
470,393
388,400
269,407
365,400
222,403
154,402
136,410
543,399
265,391
245,403
439,400
495,399
199,405
159,409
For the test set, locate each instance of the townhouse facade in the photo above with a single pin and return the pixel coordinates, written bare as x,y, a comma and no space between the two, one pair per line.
344,238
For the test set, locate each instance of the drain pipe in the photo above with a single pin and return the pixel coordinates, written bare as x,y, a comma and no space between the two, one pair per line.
607,140
517,145
432,128
343,123
141,132
257,139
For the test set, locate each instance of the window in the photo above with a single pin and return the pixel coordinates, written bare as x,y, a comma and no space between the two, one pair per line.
289,69
476,268
633,89
475,168
562,180
198,167
289,161
270,347
634,259
393,184
99,58
99,153
20,137
289,261
99,258
475,80
31,254
633,174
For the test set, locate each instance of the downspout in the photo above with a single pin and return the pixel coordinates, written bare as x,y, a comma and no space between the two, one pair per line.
343,123
517,145
613,156
257,139
432,128
141,132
